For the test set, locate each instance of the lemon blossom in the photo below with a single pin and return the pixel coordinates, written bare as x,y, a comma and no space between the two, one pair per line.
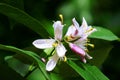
60,50
77,35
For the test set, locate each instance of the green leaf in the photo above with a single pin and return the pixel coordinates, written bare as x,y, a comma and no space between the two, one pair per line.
88,72
48,51
23,18
55,76
104,34
94,71
30,54
17,65
36,75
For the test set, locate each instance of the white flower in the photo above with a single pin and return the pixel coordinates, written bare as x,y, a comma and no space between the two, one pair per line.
85,30
77,38
52,62
60,50
73,31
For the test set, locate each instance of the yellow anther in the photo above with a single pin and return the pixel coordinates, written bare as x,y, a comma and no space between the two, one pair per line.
61,17
92,45
55,44
87,31
65,58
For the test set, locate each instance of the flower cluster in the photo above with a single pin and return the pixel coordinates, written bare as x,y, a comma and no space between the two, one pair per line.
76,37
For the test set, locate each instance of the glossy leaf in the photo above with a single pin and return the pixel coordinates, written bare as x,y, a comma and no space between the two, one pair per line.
94,71
17,65
88,72
23,18
36,75
48,51
55,76
104,34
30,54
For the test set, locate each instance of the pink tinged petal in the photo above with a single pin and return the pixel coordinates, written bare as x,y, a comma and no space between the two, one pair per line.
58,30
61,50
75,23
77,49
74,29
76,32
52,62
81,43
71,31
43,43
43,59
83,28
88,31
84,23
83,59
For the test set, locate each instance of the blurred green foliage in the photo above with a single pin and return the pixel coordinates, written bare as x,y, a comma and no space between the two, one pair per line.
21,29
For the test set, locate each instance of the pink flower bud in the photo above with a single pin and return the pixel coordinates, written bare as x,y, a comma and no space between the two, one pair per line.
43,59
77,49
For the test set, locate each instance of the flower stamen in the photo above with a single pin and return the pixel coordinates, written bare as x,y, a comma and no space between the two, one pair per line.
61,17
91,45
89,30
65,58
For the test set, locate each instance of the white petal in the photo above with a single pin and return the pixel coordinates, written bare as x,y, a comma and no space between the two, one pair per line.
58,30
85,30
88,31
83,59
43,43
84,23
60,49
75,23
88,56
74,29
71,31
81,43
52,62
